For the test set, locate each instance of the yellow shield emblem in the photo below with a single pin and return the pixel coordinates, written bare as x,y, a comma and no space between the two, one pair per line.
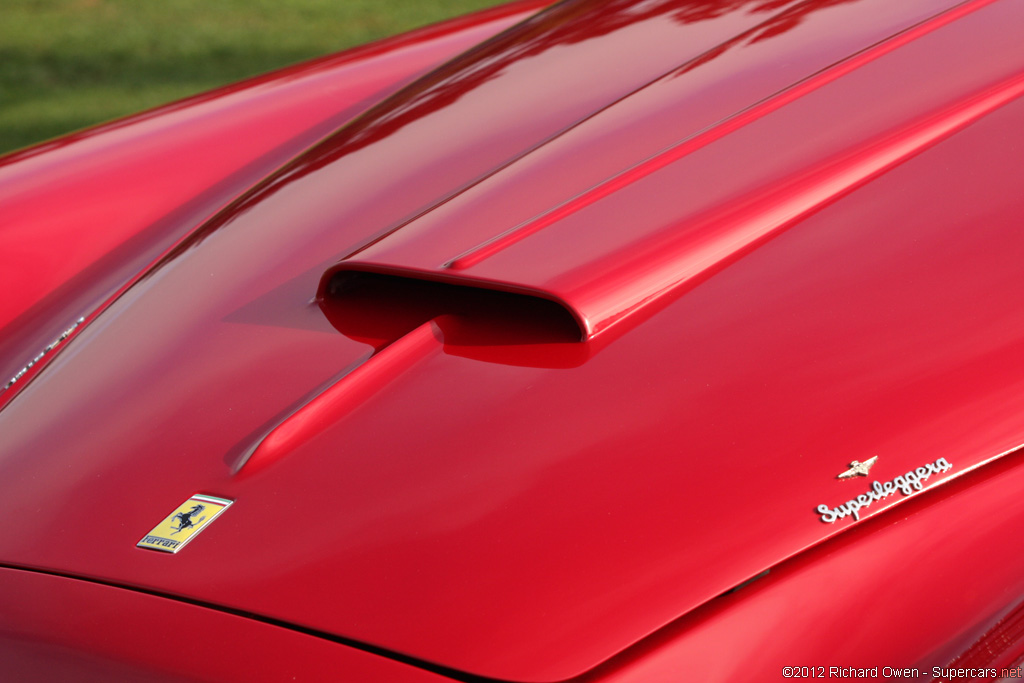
184,524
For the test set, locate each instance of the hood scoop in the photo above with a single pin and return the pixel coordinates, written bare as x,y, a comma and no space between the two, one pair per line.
405,321
667,219
378,308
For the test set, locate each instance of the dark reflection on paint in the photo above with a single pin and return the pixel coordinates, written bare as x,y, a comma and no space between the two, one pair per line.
482,324
564,24
775,26
572,22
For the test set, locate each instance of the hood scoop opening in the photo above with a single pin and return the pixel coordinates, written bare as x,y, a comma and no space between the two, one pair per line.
379,308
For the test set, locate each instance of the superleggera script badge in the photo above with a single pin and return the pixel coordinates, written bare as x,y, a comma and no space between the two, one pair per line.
905,484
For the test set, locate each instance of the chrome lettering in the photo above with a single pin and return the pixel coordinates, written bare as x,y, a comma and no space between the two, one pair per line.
54,344
905,484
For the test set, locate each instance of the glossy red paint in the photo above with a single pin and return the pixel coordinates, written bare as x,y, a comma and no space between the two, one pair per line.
85,214
60,629
774,275
917,589
611,273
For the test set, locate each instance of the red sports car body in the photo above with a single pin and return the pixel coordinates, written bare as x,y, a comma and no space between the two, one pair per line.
617,340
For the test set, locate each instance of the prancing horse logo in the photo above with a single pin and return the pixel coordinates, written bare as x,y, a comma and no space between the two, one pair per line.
186,518
184,523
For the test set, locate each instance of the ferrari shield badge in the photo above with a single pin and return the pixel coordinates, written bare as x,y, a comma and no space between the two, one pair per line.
184,524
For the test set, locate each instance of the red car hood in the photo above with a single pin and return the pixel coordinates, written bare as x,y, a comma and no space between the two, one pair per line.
771,249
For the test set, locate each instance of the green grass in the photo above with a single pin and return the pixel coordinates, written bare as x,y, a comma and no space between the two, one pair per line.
67,64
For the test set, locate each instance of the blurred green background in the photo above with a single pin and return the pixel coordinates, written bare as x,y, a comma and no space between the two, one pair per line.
67,64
